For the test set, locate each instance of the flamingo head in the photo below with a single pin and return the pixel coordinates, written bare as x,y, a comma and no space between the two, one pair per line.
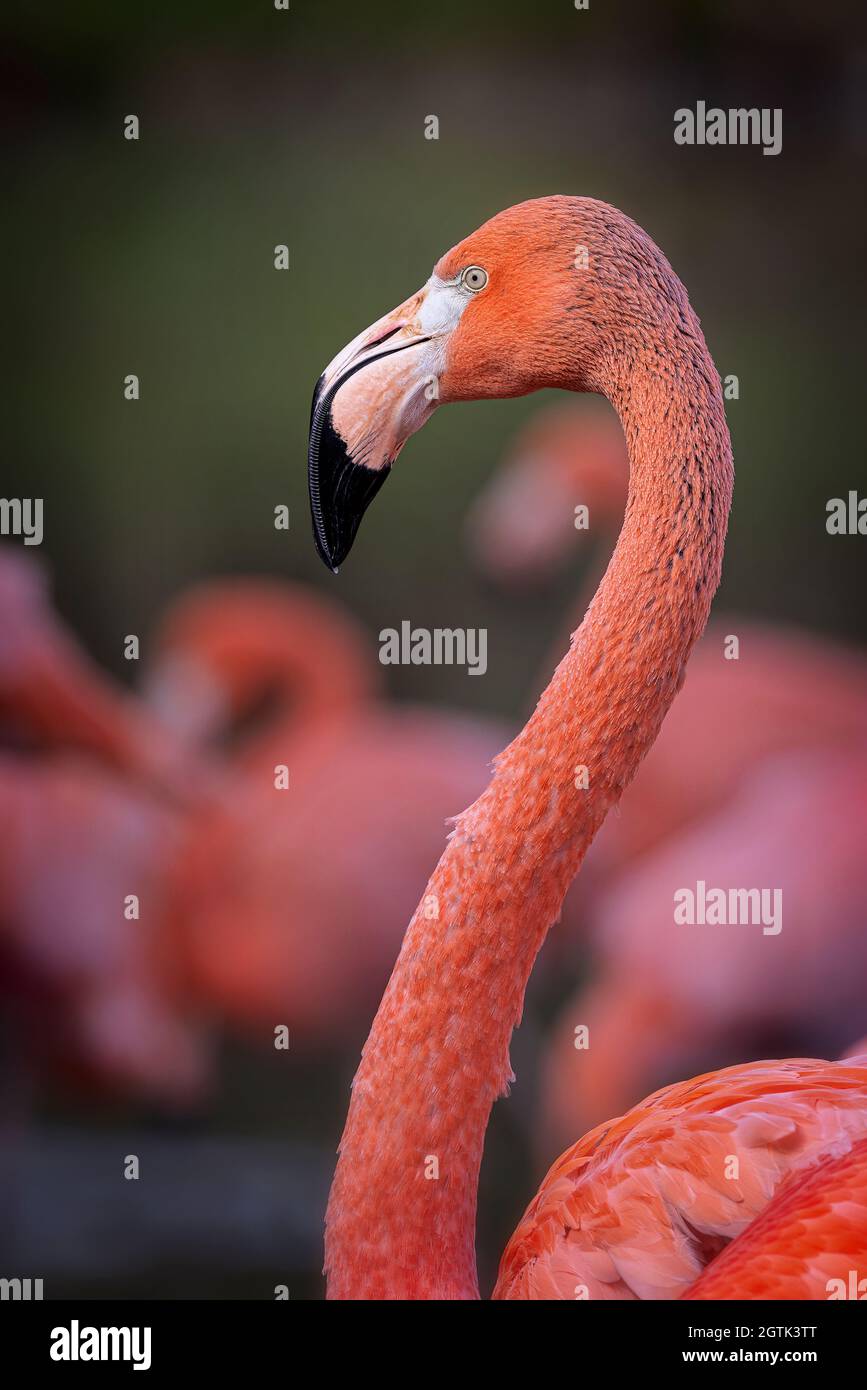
235,653
527,301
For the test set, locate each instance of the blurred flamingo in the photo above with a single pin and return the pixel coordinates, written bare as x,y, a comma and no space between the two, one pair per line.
571,454
257,665
79,978
287,905
86,787
640,1207
53,696
671,998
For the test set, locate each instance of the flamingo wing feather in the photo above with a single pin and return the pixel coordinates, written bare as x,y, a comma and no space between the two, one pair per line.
639,1208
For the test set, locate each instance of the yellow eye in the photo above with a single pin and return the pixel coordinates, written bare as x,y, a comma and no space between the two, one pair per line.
474,278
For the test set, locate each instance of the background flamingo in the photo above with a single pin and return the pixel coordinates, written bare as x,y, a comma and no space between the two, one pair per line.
287,906
570,454
53,696
251,667
78,978
669,999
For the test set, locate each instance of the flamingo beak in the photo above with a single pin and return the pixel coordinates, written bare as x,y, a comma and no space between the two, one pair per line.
377,392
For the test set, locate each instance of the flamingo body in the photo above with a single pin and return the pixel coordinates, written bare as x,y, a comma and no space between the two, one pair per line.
82,978
638,1207
809,1243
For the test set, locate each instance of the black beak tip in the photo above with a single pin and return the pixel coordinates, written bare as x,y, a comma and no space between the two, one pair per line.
322,549
340,489
331,547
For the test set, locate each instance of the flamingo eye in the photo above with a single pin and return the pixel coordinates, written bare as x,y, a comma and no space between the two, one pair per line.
474,278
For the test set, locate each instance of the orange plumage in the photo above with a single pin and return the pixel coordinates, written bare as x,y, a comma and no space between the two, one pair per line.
809,1243
640,1206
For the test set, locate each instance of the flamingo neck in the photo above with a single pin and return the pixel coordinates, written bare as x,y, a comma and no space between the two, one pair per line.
401,1217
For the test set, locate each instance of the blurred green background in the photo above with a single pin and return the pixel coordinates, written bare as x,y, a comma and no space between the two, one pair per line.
261,127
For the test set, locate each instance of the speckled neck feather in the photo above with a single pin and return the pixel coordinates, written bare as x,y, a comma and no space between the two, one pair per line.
438,1053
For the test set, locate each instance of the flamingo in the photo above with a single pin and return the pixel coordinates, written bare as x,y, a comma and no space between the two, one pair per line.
89,807
563,292
51,694
286,906
242,651
81,979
